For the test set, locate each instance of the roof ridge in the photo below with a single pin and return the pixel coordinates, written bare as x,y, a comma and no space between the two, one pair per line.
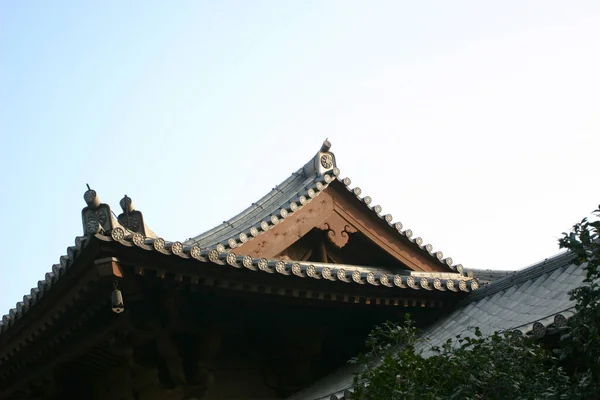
259,204
318,171
533,271
271,216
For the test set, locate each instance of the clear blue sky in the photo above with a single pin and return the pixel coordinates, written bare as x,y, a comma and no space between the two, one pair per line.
474,123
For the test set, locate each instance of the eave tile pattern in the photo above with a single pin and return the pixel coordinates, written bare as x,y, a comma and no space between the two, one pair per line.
51,277
220,256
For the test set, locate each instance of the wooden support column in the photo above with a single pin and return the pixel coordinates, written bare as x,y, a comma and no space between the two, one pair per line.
322,252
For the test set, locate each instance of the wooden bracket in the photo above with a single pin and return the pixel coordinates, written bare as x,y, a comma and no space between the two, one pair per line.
108,267
338,229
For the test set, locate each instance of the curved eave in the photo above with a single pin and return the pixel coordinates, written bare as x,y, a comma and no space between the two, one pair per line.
44,285
355,276
294,268
290,197
123,237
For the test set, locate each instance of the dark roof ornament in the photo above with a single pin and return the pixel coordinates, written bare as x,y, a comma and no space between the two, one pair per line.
323,162
126,204
96,217
133,219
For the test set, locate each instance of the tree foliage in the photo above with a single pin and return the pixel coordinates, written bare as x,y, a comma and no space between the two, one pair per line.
400,365
580,347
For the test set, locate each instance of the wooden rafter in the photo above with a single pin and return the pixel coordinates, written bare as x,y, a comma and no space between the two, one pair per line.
340,215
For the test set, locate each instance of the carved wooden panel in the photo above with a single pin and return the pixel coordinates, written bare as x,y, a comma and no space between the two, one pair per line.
338,229
340,214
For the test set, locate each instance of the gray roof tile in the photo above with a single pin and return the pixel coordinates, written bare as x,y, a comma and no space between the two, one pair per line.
537,293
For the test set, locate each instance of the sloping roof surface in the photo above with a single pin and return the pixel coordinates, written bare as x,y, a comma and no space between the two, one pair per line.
486,276
520,301
530,300
286,192
290,196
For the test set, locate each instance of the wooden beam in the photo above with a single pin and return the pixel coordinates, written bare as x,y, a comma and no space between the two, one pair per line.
306,255
289,230
412,258
322,252
108,267
67,351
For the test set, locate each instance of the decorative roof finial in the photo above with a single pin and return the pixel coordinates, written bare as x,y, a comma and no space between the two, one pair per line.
96,217
133,219
323,162
126,204
91,197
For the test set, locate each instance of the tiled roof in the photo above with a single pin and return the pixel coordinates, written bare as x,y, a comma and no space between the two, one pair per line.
530,301
486,276
290,196
533,301
439,281
411,281
217,245
287,197
37,292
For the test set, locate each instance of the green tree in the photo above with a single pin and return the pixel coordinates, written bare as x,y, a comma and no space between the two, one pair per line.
580,347
399,365
500,366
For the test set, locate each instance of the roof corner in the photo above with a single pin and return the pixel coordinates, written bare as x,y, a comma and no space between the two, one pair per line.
132,219
96,216
322,162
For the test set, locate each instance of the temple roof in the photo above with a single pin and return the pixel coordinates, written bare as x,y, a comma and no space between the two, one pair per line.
293,194
532,301
287,197
218,245
356,275
417,277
